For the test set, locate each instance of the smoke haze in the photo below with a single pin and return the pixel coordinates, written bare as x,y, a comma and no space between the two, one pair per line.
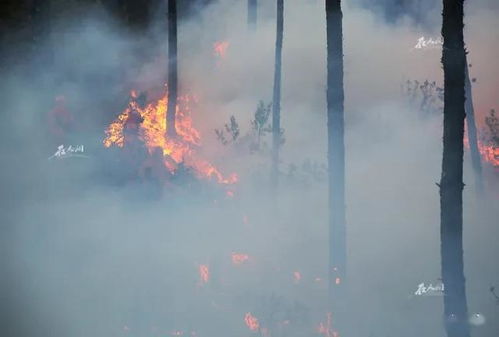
82,256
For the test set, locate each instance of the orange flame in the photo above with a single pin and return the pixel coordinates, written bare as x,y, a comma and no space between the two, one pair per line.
489,153
153,133
238,258
204,273
251,321
297,276
326,328
220,49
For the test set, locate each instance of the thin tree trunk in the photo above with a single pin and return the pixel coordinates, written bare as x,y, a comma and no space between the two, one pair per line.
252,14
451,183
476,161
336,146
276,102
41,29
172,69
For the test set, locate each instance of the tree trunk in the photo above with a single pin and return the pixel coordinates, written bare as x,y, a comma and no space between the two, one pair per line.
276,102
472,133
172,69
336,146
252,14
451,183
41,30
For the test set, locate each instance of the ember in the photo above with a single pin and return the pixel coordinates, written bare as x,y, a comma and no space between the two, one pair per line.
204,273
297,277
220,49
238,259
252,322
326,329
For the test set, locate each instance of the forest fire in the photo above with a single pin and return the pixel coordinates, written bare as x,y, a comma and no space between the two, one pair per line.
204,273
325,329
296,277
152,132
238,259
220,49
251,322
488,152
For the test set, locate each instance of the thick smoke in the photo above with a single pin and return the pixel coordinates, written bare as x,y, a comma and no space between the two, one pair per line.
82,256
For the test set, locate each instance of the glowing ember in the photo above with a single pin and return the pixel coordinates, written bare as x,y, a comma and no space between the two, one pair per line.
239,259
326,329
297,277
152,131
204,273
220,49
252,322
337,281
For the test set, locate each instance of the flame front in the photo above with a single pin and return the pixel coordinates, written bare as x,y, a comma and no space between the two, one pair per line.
251,322
204,273
326,329
238,258
152,132
220,49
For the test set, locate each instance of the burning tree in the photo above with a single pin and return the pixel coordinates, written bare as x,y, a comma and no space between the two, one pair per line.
451,183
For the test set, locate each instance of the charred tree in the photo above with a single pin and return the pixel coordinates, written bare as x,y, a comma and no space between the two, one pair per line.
451,183
476,161
252,14
172,69
336,145
276,102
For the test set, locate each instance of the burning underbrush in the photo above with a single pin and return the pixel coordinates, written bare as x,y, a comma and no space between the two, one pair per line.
140,131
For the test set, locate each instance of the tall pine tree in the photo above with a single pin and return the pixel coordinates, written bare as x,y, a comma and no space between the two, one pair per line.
476,160
172,69
336,145
276,102
252,14
451,183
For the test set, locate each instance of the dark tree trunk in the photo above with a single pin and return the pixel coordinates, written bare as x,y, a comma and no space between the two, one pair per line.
138,13
252,14
451,183
336,146
172,69
276,102
476,161
41,30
